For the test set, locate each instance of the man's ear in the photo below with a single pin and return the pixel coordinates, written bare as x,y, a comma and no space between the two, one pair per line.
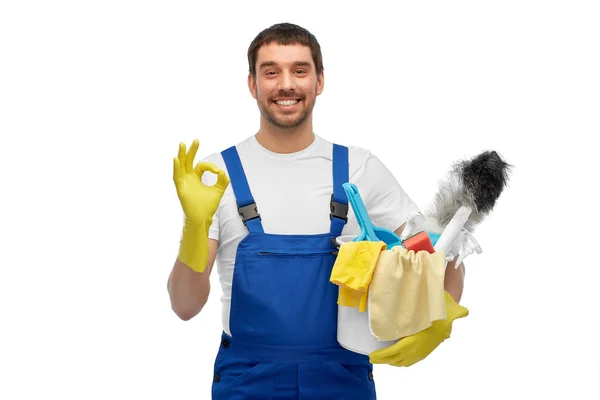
252,85
320,83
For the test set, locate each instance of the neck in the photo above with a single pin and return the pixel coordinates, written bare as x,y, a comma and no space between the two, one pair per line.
285,141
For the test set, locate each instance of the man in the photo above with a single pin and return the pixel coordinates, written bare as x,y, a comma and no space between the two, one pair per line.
269,221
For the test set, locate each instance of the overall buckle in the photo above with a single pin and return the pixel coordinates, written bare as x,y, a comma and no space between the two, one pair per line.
338,210
248,212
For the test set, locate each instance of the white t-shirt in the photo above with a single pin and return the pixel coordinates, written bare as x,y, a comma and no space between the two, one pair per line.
293,192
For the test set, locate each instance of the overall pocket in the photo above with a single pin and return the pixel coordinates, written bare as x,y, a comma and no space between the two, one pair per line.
284,298
356,379
243,380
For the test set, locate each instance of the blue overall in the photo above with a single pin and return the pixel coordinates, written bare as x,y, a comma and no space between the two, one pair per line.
283,318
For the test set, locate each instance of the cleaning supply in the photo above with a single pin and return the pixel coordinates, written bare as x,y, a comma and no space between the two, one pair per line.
367,230
406,293
476,183
419,242
353,271
412,349
352,298
199,203
413,235
465,245
353,331
452,230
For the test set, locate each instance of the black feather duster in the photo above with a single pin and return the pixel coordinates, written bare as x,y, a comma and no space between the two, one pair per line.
476,183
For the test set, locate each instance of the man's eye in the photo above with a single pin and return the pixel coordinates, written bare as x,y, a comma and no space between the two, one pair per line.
300,71
270,73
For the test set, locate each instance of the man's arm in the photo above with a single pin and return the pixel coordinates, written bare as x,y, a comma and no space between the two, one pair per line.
188,289
454,278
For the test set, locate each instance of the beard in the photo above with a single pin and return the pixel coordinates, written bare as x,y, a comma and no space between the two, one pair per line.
275,117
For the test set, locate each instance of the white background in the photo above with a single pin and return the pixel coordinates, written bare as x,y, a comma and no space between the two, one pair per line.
96,96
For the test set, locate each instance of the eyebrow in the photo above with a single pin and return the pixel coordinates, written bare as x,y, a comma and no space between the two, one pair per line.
273,63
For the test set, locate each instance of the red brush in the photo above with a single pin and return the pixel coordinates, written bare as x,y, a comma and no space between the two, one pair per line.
418,242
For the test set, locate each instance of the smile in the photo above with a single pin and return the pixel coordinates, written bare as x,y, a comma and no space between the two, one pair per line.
286,103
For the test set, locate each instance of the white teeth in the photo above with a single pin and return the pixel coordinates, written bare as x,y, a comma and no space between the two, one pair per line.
286,102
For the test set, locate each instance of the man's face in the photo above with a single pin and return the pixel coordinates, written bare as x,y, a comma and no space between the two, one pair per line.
286,84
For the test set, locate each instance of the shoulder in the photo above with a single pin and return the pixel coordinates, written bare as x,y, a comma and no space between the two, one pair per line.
368,170
217,159
364,163
357,156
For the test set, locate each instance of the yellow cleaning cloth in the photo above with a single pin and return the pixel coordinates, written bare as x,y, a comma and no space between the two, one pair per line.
406,293
353,298
353,271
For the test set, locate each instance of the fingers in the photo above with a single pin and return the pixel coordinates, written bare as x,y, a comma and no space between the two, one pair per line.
222,180
186,159
383,360
181,156
392,354
183,164
396,359
392,359
389,360
176,170
201,167
189,159
388,351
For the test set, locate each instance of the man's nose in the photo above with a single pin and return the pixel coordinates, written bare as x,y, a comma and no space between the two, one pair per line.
286,81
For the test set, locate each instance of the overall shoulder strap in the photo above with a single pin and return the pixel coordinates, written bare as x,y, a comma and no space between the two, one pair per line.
245,202
339,200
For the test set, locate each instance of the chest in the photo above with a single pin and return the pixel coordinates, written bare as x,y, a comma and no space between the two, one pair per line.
288,201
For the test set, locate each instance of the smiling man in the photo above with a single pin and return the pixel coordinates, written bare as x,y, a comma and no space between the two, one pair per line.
288,84
269,222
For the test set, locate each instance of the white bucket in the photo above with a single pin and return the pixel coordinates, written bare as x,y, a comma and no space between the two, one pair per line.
353,329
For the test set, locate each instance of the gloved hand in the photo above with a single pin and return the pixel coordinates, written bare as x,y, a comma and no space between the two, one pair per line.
412,349
199,203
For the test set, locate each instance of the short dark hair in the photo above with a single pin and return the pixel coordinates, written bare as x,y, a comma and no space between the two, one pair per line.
284,34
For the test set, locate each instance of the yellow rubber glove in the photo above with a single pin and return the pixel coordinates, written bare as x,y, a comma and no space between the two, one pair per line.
412,349
199,203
